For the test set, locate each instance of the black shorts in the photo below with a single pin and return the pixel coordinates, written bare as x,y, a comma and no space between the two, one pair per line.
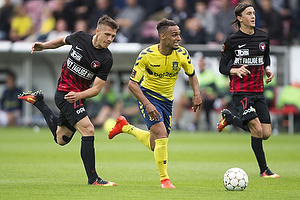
250,106
70,113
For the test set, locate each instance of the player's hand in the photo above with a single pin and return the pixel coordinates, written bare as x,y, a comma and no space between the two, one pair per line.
240,72
152,112
37,46
270,76
72,97
197,102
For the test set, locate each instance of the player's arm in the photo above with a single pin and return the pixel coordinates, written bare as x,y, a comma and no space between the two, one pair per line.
52,44
138,93
91,92
197,100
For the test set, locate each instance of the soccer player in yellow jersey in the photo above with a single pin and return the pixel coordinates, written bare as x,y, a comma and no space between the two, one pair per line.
157,68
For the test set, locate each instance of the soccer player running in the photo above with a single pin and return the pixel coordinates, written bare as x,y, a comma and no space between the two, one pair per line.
248,50
157,68
89,61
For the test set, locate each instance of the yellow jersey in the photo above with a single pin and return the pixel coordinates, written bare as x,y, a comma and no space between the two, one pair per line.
160,72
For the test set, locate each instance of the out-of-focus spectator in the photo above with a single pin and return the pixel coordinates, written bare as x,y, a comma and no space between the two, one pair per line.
61,30
21,24
130,19
48,23
207,86
149,33
81,25
179,12
193,32
62,9
207,19
102,7
223,19
151,6
270,21
82,8
127,105
11,106
6,12
104,105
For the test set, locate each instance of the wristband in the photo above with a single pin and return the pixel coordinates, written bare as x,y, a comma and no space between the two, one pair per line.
268,67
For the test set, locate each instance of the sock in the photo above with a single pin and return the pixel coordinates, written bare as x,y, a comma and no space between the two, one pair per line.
161,157
141,135
88,157
50,117
257,147
236,121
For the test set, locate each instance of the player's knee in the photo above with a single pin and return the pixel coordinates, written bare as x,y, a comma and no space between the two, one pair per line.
266,136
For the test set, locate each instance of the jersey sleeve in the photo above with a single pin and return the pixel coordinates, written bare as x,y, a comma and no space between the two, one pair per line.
105,69
267,60
187,62
139,68
226,57
72,37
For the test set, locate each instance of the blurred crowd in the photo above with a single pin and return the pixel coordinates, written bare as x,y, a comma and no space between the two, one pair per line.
201,21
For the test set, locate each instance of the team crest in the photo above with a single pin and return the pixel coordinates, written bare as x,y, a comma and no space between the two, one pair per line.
95,64
175,66
262,46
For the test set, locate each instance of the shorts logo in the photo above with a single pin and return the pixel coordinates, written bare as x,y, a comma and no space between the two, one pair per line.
249,110
95,64
262,46
80,110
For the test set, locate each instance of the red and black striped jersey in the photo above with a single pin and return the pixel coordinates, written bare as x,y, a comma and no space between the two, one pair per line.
83,64
243,49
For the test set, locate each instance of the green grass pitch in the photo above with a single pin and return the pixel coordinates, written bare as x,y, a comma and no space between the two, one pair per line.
32,166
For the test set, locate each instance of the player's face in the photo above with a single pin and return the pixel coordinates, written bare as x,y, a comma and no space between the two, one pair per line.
173,37
104,36
248,17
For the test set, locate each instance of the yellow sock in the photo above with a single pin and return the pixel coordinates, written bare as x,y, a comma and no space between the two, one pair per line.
161,157
141,135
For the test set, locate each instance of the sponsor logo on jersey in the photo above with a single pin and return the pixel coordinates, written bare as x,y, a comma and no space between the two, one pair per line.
155,65
95,64
79,70
258,60
242,52
77,56
162,75
249,110
242,45
80,110
262,46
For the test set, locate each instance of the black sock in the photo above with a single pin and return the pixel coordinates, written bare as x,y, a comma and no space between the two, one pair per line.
88,157
50,117
236,121
257,147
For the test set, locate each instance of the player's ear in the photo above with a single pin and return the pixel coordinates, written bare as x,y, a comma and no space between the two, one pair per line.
97,30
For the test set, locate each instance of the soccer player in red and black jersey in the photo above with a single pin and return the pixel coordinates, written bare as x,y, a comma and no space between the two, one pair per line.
245,58
88,63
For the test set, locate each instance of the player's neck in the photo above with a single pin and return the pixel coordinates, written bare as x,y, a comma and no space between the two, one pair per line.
164,50
247,30
95,43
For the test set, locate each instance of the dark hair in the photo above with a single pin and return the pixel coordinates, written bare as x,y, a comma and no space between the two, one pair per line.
108,21
239,8
163,24
11,74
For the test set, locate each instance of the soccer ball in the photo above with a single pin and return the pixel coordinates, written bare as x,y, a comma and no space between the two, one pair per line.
109,124
235,179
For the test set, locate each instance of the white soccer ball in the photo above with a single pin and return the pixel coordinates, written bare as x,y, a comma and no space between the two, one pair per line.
235,179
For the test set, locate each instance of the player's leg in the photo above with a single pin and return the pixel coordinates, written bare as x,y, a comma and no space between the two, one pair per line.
37,99
86,129
159,141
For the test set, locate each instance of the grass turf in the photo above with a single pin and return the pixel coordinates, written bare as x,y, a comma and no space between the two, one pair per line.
34,167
